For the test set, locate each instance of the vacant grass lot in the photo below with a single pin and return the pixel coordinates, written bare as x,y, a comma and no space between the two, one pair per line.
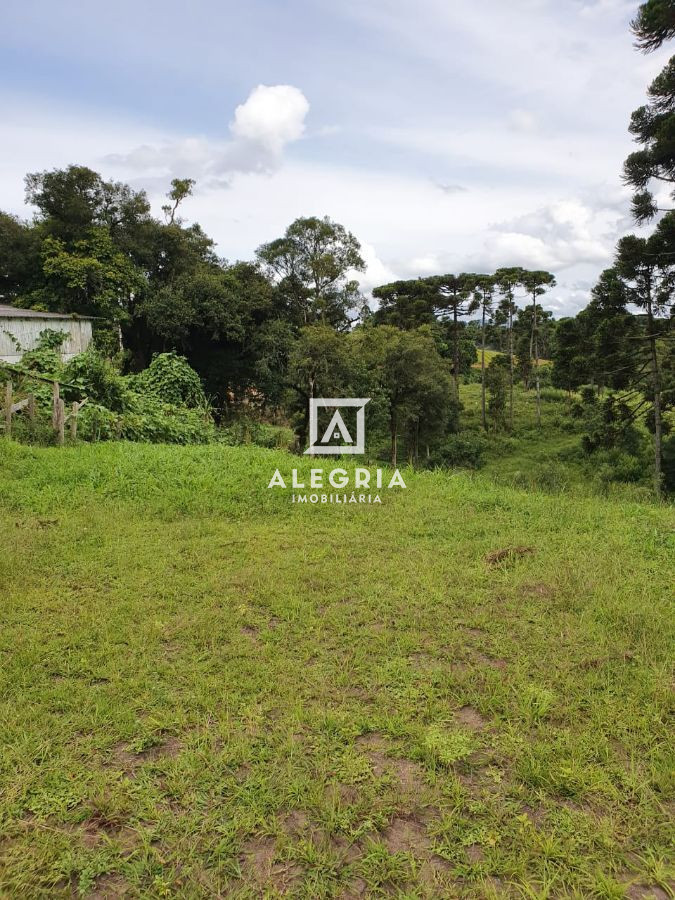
208,691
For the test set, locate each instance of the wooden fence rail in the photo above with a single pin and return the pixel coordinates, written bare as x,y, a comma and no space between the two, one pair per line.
59,416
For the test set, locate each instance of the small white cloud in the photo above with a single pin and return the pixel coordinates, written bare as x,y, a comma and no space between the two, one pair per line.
522,120
271,117
450,188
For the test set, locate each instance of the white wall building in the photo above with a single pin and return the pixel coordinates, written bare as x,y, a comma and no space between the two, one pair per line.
20,330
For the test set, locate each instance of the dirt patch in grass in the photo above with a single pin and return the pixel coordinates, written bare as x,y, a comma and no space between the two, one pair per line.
507,555
470,718
597,662
474,853
357,887
653,892
258,866
474,632
422,660
410,774
127,760
493,661
539,589
109,887
406,835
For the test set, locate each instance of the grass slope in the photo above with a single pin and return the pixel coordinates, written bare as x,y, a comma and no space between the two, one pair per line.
208,691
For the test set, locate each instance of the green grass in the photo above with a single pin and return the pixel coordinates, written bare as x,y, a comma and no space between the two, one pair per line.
208,691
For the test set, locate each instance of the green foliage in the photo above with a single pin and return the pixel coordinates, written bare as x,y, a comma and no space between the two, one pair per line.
448,746
96,378
463,450
147,418
497,384
171,379
45,357
92,277
311,263
608,424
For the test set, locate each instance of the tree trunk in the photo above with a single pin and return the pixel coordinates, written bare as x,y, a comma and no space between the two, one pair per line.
536,358
482,371
656,384
511,367
394,441
305,426
455,362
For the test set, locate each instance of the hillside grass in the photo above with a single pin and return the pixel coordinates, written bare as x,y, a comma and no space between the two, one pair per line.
209,691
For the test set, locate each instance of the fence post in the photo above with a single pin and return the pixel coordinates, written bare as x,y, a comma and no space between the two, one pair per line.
60,422
8,408
31,407
55,405
73,420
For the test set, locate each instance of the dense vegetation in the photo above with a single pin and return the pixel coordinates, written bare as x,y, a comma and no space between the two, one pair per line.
186,341
263,337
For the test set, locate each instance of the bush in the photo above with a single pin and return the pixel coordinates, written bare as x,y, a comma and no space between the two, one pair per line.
172,379
96,378
618,465
245,431
465,449
551,477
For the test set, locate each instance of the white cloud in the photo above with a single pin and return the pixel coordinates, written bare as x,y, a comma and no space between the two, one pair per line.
522,120
272,117
376,272
567,232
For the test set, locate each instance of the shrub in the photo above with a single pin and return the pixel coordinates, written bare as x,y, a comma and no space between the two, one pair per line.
172,379
245,431
465,449
98,379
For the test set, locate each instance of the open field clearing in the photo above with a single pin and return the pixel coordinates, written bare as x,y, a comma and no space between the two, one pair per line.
209,691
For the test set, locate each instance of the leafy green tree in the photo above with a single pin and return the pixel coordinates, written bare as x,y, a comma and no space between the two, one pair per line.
653,124
613,333
93,277
20,259
647,268
320,365
412,380
73,200
571,354
311,264
181,188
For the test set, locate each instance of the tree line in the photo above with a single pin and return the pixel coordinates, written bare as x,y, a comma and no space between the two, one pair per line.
292,323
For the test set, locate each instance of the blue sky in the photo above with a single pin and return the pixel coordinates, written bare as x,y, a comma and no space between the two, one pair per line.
447,136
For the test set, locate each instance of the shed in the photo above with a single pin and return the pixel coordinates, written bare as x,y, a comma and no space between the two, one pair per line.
20,330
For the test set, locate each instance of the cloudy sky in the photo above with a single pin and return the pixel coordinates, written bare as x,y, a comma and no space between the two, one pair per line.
447,136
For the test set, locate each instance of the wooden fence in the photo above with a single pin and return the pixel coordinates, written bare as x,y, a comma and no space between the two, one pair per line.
28,405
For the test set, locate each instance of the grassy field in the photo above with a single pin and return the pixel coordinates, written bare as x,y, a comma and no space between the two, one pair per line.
210,691
490,354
